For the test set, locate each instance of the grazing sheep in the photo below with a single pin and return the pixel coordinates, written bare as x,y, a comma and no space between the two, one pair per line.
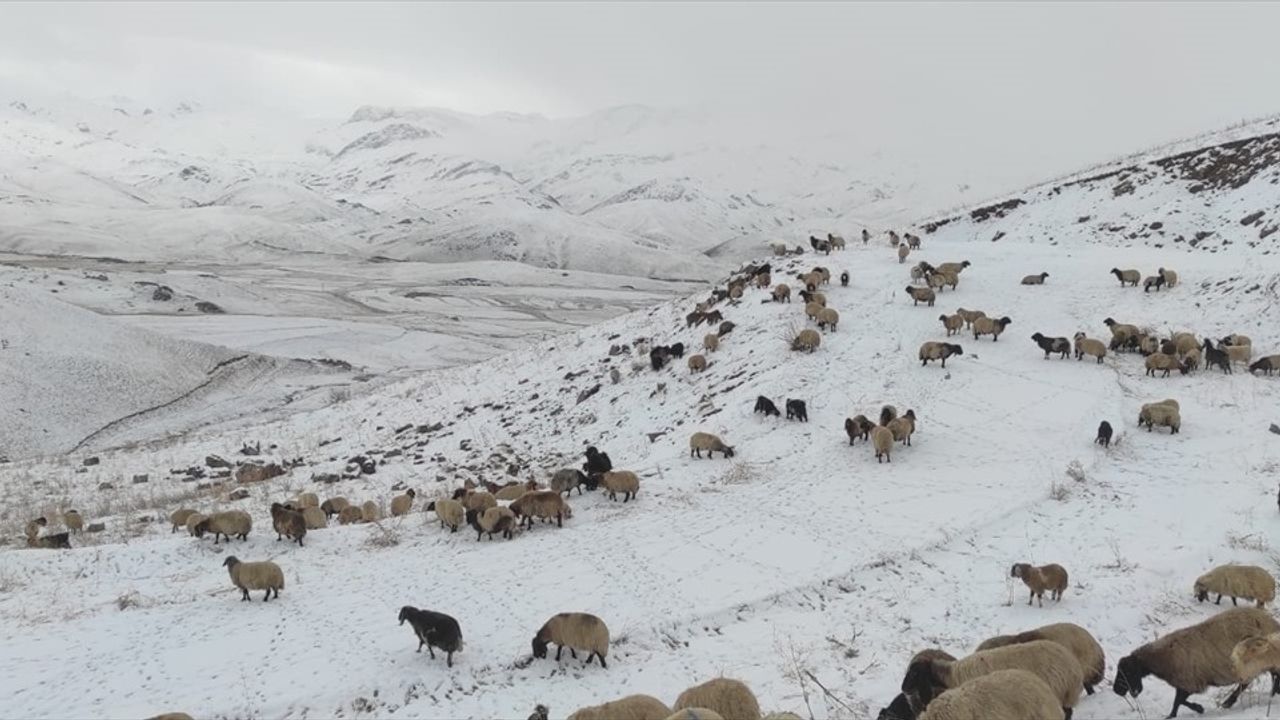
1160,361
919,295
334,505
288,522
711,342
576,631
631,707
1183,342
540,712
1127,277
1238,353
1051,577
512,491
1255,655
1267,364
903,252
969,315
1152,281
620,481
1073,637
232,523
402,504
370,511
764,280
1089,346
72,520
1050,662
564,481
697,363
796,410
694,318
828,317
1170,277
812,310
858,426
903,427
434,630
248,576
766,406
807,339
314,518
1148,344
953,267
449,512
1237,581
193,521
49,542
1001,695
899,709
700,441
475,499
1213,357
813,297
307,500
953,324
844,279
1153,414
990,326
1194,658
729,698
493,520
540,504
659,356
735,291
893,239
887,414
350,514
882,441
179,518
1035,279
1104,434
1049,345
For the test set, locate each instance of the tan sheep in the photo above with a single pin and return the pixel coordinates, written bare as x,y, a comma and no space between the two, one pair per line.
1255,655
711,342
903,252
402,504
700,441
697,363
903,427
936,280
540,504
812,310
193,521
1153,414
511,492
631,707
954,268
1050,662
1160,361
179,518
782,293
476,499
1035,279
350,514
1195,658
307,500
828,317
945,277
1237,581
882,441
1184,342
1237,339
764,280
727,697
969,315
1170,277
1079,641
370,511
334,505
1127,277
1121,332
449,512
823,273
932,350
227,524
620,481
808,339
953,324
492,520
919,295
1089,346
1238,353
72,520
1191,358
990,326
1051,577
1000,695
255,576
314,518
576,631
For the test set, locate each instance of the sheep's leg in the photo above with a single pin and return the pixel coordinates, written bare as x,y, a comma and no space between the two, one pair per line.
421,642
1233,602
1031,597
1066,713
1235,694
431,652
1219,600
266,595
559,649
448,659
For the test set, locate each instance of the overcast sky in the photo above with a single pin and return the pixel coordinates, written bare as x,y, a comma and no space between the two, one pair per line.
1030,88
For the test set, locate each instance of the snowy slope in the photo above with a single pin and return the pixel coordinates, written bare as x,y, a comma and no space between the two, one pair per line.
800,553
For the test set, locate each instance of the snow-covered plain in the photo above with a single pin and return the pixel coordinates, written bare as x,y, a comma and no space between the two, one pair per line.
801,552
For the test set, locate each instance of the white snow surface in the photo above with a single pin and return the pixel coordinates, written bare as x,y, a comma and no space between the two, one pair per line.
800,552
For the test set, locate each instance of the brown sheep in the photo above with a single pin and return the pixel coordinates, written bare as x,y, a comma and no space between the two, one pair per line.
858,426
807,339
540,504
350,514
932,350
782,293
882,441
828,317
576,631
903,427
1089,346
990,326
402,504
1051,577
969,315
1079,641
697,363
711,342
727,697
700,441
919,295
952,323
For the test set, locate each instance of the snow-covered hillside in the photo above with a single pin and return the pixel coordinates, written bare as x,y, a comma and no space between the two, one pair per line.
799,555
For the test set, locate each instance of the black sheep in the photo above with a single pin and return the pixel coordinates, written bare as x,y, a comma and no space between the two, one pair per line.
1213,356
434,630
678,348
1264,364
766,406
765,269
725,328
1053,345
844,279
796,410
597,462
899,709
1104,434
658,356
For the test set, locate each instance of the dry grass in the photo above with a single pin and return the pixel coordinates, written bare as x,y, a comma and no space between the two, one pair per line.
383,535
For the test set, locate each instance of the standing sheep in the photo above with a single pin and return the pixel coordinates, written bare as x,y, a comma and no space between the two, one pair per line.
1161,414
903,427
179,518
576,631
932,350
1255,655
988,326
1051,577
493,520
1050,345
370,511
1049,661
449,512
700,441
288,522
314,518
72,520
349,515
844,279
903,252
711,342
882,441
782,293
1194,658
952,323
919,295
620,481
1170,277
697,363
1001,695
540,504
766,406
232,523
858,426
1127,277
828,317
1104,434
1079,641
248,576
1154,281
1237,581
797,410
729,698
434,630
1089,346
970,315
808,339
564,481
334,505
402,504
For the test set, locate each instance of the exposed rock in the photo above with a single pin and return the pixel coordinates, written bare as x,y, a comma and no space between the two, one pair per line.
326,478
255,472
209,308
106,486
588,393
254,449
162,293
139,479
1275,428
238,494
215,461
91,461
95,527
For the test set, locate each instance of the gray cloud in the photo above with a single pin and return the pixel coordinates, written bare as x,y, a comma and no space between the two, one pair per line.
1005,92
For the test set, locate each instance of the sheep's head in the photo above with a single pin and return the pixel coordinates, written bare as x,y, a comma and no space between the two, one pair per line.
1018,570
899,709
1129,674
1109,322
231,561
539,647
1202,592
728,451
921,683
404,613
